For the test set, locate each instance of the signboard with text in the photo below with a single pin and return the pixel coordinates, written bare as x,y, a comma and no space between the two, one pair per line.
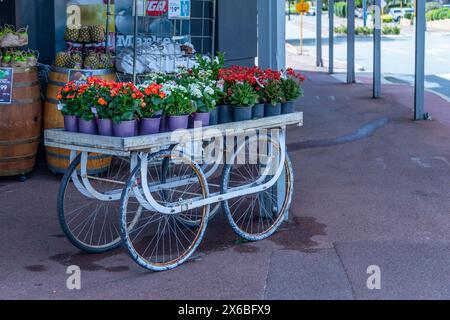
302,7
6,85
80,76
157,7
179,9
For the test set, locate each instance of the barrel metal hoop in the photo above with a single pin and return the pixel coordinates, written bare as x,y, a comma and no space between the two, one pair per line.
17,142
19,158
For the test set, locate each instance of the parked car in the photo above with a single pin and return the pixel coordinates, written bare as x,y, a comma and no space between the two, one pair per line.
397,13
312,11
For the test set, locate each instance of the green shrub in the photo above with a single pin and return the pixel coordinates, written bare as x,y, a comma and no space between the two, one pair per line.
410,15
387,18
340,9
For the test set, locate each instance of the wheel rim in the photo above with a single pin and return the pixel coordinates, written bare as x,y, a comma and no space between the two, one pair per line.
163,241
257,216
91,224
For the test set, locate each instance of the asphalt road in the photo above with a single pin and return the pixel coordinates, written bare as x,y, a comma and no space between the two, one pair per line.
398,53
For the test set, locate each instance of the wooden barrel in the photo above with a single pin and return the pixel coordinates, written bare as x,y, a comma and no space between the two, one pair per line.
58,159
21,124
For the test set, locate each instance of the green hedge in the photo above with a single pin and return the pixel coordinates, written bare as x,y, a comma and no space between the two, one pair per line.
368,31
438,14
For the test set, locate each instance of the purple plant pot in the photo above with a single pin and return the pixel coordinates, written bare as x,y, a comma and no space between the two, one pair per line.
125,129
71,123
164,126
105,127
200,119
87,127
136,127
150,126
225,113
272,110
177,122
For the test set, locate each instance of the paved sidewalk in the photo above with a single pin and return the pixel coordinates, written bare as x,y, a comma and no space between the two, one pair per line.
371,189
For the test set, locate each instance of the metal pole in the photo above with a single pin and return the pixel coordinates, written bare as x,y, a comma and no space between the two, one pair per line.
364,9
331,36
419,86
301,33
377,51
350,41
108,13
136,21
289,10
319,61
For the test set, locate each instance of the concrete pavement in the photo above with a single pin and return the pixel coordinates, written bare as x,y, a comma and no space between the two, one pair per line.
370,191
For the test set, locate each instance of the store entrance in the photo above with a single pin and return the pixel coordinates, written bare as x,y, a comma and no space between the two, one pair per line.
7,12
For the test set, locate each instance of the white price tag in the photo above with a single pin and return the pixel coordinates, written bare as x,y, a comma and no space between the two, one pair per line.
94,110
60,106
179,9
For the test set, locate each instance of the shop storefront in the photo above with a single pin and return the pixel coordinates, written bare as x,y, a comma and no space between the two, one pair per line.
230,24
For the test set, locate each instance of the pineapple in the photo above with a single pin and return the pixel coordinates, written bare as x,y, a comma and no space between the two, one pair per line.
76,60
105,61
97,33
62,60
84,35
92,61
72,34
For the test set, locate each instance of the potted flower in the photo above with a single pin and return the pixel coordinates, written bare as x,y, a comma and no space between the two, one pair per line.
68,104
290,85
203,96
101,105
151,109
273,96
125,101
86,112
177,106
243,98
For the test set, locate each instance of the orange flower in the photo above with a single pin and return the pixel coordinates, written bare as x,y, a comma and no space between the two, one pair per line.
102,102
162,95
59,97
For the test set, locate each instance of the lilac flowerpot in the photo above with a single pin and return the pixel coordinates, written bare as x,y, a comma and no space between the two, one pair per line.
125,129
214,117
87,126
200,119
272,110
177,122
150,126
288,107
105,127
71,123
164,126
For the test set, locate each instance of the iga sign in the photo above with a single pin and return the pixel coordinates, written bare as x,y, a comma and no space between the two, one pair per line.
156,7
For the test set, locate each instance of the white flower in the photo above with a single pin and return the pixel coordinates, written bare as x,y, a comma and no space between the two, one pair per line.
195,91
209,90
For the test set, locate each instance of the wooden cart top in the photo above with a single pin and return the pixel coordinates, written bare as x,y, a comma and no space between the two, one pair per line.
59,138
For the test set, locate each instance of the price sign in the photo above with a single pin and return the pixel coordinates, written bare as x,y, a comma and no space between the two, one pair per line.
179,9
79,76
302,7
157,7
6,82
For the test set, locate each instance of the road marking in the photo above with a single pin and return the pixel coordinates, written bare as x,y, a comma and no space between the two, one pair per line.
443,159
397,51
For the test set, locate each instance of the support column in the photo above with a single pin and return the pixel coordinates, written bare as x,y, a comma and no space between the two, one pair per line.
377,51
272,34
319,60
350,41
331,36
419,87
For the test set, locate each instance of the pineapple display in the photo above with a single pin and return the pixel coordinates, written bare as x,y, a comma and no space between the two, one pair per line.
92,61
72,34
62,60
105,61
76,60
84,36
97,33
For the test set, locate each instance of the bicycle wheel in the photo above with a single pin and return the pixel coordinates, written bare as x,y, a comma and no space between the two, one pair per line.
90,224
162,241
257,216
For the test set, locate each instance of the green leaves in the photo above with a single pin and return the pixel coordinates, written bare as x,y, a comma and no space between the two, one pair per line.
243,94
